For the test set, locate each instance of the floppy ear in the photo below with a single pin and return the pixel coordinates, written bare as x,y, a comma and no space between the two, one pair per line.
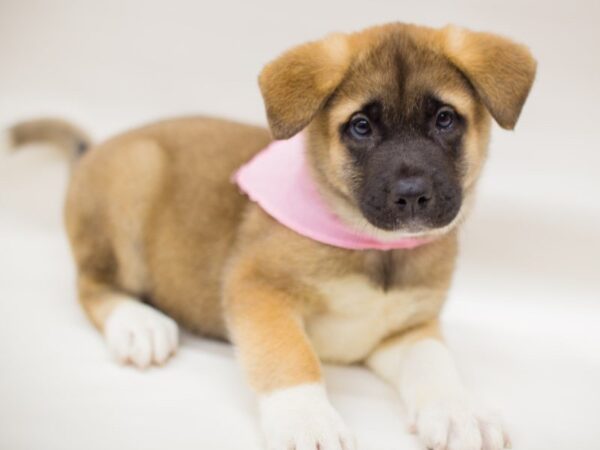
299,82
501,71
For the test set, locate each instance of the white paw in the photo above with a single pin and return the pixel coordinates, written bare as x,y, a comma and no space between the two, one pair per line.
139,334
301,418
455,426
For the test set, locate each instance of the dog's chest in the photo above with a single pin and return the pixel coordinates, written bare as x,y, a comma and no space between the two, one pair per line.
358,315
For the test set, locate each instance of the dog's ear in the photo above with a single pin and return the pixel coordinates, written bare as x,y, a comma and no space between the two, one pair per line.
297,84
501,71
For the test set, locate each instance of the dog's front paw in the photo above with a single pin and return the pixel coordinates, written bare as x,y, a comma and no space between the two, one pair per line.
301,418
140,335
454,425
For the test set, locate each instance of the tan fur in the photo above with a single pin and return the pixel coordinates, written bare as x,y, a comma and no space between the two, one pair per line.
316,69
59,132
151,221
267,327
480,54
153,214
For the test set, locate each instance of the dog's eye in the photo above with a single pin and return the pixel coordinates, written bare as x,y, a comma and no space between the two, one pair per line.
445,118
360,127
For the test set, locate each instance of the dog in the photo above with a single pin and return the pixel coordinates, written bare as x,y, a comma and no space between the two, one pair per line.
390,126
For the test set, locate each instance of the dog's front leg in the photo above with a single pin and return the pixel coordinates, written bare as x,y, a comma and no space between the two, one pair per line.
282,368
420,366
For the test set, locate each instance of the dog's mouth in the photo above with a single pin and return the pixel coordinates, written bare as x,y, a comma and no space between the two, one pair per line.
410,208
387,224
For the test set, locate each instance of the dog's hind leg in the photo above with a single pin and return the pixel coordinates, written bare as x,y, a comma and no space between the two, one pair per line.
135,333
110,199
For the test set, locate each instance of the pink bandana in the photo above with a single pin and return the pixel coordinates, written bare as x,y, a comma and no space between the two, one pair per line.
278,179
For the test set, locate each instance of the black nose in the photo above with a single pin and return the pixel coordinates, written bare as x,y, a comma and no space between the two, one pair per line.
413,193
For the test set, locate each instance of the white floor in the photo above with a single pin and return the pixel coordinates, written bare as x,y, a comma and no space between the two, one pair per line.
524,313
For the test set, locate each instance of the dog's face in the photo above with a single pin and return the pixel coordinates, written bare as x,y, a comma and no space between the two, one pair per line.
398,118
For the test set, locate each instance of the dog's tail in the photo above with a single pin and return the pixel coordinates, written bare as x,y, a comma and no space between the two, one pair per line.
60,133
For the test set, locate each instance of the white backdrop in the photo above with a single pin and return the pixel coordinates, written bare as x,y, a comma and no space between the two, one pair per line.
524,312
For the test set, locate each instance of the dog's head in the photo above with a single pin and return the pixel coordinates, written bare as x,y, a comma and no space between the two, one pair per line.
398,118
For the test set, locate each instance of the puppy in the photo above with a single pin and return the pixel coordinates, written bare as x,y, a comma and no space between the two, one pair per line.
386,130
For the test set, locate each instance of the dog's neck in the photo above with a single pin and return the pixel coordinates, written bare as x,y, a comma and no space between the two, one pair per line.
279,180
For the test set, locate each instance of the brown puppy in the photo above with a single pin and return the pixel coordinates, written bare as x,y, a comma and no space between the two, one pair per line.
397,119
